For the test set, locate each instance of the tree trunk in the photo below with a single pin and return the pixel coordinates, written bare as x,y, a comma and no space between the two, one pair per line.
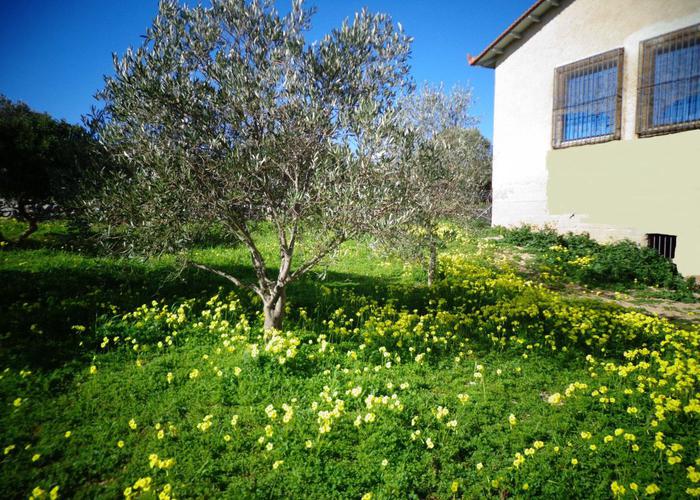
32,221
33,226
274,312
432,264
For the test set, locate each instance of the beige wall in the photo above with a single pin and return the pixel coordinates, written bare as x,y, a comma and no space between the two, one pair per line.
523,156
641,186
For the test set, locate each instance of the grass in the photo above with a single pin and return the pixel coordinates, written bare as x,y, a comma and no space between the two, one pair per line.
486,385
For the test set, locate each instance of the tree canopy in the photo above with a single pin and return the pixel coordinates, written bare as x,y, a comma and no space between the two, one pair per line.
41,161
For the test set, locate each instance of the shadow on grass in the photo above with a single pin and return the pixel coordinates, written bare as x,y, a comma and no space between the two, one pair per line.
40,305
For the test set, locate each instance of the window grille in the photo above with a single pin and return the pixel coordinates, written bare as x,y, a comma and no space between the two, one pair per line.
587,100
665,244
668,94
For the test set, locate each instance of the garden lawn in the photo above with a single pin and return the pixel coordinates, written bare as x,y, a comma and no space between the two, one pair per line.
486,385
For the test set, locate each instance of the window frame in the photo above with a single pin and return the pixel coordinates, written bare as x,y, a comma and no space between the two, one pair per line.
561,75
645,82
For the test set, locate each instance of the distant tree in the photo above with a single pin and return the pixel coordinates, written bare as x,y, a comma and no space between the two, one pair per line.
41,162
227,116
451,169
469,148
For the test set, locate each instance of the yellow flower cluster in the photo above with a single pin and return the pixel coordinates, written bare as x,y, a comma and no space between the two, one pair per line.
155,462
39,493
205,424
326,417
281,345
143,484
582,261
440,412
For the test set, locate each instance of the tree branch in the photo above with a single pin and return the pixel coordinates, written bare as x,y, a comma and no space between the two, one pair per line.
229,277
255,255
315,260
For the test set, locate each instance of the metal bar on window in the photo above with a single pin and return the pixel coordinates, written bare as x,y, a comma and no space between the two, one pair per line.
587,100
668,97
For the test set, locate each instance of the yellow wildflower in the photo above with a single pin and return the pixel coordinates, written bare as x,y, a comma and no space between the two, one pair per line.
618,490
693,475
652,489
554,399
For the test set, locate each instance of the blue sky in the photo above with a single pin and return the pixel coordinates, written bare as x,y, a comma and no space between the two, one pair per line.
54,52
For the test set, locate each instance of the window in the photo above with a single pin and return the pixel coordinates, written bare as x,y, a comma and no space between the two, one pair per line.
668,98
665,244
587,100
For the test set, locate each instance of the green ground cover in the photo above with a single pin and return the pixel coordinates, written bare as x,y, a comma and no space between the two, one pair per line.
565,258
122,380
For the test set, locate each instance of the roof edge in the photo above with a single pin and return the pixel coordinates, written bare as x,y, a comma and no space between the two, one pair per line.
487,58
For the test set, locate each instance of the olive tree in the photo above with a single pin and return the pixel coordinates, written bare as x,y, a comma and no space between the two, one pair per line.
450,163
228,116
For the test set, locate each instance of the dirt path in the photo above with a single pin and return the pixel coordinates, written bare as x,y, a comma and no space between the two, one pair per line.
661,307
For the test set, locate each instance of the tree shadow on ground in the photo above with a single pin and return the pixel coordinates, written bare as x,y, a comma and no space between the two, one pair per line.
38,308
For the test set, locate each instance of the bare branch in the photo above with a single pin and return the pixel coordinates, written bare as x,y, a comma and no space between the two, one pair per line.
229,277
305,267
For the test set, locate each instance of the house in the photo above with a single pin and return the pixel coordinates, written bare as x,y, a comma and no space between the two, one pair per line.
597,121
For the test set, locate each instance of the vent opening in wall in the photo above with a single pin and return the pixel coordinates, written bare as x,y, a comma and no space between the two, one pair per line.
665,244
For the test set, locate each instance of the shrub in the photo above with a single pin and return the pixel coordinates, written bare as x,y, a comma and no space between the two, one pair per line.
581,259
